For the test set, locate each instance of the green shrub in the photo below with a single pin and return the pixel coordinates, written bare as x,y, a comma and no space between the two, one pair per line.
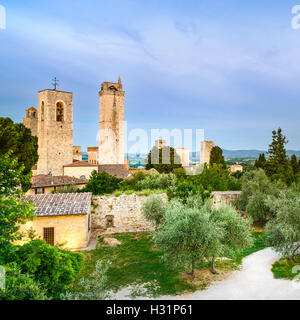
93,288
256,188
283,232
154,210
21,286
67,189
186,188
102,183
148,181
54,268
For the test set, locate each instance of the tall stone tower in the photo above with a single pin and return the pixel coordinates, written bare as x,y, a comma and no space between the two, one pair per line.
55,131
111,124
31,120
206,147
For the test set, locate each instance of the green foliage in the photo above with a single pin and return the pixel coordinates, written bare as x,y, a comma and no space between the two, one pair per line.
101,183
186,188
21,286
286,269
154,210
283,232
216,157
93,288
179,172
14,210
54,268
261,162
191,233
72,188
278,166
164,160
145,181
17,138
295,164
256,188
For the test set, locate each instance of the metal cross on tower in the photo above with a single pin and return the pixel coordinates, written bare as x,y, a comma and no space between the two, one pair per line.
55,83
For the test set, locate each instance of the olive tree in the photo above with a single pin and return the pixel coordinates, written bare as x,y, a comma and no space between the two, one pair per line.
191,233
154,210
283,232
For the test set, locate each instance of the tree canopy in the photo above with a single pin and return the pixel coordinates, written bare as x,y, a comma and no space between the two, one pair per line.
164,160
14,210
216,157
17,138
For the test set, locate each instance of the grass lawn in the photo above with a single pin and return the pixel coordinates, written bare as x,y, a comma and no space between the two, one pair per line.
283,269
137,262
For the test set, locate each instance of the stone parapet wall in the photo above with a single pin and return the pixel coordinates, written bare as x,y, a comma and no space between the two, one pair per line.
125,211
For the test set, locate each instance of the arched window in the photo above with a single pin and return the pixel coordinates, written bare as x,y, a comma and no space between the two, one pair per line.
43,111
60,112
112,88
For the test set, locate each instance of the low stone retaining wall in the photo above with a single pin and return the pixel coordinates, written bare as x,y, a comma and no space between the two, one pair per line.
111,214
225,196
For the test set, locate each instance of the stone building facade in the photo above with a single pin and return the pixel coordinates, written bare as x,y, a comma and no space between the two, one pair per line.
235,168
160,144
80,169
77,154
93,155
206,147
184,155
61,219
55,131
31,121
111,123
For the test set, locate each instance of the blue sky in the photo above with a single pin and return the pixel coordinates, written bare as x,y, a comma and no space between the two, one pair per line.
230,67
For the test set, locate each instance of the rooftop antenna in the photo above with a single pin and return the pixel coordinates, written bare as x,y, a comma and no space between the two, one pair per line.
55,83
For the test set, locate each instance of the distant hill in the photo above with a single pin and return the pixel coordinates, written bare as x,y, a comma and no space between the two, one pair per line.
251,154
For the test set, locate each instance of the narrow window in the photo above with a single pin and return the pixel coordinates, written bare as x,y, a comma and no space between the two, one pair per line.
49,235
43,111
59,112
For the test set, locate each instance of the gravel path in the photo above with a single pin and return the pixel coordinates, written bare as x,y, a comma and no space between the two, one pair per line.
254,282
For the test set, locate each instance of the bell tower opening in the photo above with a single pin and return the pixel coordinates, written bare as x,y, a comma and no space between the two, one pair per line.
60,112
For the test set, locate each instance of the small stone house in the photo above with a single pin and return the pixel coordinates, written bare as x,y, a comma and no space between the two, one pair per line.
61,219
44,184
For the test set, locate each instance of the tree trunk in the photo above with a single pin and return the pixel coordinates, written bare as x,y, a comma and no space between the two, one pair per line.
193,268
213,269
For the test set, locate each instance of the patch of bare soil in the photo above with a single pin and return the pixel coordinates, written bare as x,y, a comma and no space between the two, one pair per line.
203,278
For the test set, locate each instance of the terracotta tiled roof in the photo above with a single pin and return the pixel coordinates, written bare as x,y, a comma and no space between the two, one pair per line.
118,170
49,181
64,204
38,177
90,149
80,164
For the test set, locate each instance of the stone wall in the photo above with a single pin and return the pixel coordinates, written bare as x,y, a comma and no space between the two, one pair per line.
225,196
125,212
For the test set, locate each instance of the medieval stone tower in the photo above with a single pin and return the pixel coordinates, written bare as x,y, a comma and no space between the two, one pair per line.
31,120
206,147
111,124
55,131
